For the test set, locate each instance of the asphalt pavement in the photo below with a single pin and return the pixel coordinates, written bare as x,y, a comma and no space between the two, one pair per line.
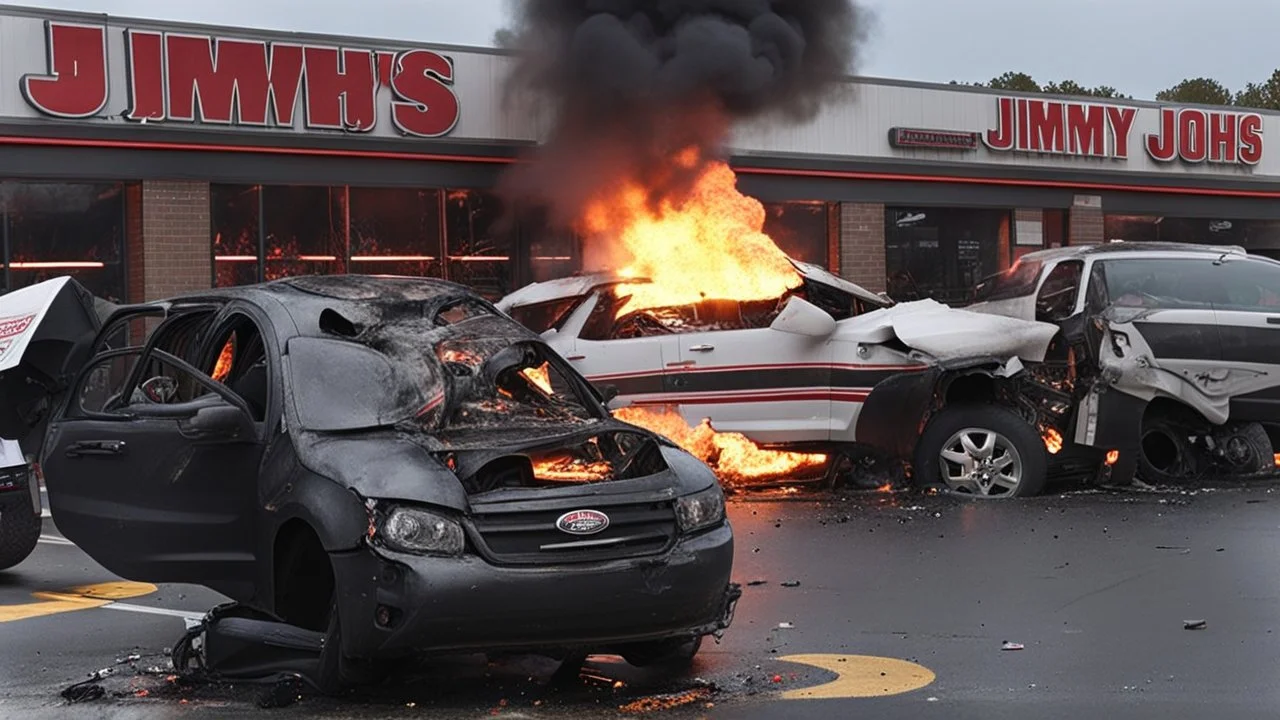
907,600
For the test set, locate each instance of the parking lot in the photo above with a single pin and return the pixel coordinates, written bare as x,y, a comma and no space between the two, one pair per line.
1095,587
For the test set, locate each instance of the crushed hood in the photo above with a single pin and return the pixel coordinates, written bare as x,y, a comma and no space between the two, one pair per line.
946,333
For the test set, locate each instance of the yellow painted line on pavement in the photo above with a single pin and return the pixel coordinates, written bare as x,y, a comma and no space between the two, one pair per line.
84,597
860,676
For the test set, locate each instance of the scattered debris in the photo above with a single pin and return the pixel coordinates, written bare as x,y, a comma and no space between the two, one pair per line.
282,694
1195,624
135,657
1012,646
81,692
657,703
757,583
786,626
791,584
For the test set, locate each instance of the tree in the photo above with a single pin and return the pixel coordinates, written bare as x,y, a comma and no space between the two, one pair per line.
1261,96
1202,91
1019,82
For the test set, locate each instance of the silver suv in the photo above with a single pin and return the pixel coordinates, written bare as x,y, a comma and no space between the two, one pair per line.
1169,354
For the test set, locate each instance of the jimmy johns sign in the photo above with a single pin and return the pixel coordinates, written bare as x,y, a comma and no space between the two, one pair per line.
192,78
1063,127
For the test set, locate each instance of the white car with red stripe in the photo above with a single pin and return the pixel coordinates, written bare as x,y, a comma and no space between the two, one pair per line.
830,364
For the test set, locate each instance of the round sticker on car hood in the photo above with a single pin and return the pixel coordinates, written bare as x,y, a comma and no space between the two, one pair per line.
583,522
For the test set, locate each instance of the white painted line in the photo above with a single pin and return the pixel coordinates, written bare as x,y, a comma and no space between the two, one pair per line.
45,513
55,540
154,611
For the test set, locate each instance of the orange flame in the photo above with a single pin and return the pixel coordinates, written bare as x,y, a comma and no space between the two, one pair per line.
540,376
1277,459
707,245
571,470
735,459
1113,457
223,367
1052,441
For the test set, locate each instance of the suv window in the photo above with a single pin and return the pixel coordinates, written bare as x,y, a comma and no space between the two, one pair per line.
1018,281
1250,285
1058,294
545,316
1183,283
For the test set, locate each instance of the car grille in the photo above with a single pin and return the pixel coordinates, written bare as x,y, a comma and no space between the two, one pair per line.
531,537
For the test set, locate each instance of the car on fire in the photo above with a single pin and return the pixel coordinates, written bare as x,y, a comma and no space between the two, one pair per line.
828,367
368,468
1169,354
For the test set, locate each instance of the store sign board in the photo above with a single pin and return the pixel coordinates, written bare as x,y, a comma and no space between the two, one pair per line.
195,78
904,138
1064,127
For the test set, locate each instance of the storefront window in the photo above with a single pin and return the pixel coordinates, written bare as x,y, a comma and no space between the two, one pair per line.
235,215
1256,236
801,229
943,253
55,229
479,255
305,231
396,231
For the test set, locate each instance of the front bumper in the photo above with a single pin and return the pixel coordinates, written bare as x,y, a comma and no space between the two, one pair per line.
448,605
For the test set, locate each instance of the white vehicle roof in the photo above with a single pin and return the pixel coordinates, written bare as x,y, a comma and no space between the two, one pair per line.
583,284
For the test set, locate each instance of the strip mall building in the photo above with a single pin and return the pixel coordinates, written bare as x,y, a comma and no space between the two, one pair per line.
149,159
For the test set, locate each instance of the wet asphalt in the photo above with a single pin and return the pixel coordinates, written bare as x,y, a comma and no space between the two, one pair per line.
1095,587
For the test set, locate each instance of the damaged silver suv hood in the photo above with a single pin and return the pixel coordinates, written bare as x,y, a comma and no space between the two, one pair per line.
944,333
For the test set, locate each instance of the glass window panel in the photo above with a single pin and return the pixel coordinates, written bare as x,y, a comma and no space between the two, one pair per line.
800,229
73,229
396,231
306,230
943,253
554,255
234,224
479,255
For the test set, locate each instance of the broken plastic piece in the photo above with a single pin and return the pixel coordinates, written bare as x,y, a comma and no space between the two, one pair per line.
785,626
1012,646
1195,624
791,584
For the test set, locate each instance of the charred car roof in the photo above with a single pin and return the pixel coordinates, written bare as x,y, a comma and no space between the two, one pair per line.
1121,247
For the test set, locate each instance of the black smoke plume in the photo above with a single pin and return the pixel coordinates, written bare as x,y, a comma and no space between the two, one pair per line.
631,83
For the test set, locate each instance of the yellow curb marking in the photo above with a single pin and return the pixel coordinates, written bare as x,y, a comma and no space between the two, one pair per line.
83,597
860,676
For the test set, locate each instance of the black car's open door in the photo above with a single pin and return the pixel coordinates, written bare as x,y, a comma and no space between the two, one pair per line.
46,335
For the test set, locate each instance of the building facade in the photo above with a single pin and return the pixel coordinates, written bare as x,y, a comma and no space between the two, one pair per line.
149,158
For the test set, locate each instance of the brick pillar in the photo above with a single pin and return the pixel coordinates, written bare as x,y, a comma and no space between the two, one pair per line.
862,256
1085,226
176,250
133,242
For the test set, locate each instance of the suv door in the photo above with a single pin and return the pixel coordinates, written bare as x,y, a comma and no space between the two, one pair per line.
1248,314
1169,303
772,386
631,353
152,465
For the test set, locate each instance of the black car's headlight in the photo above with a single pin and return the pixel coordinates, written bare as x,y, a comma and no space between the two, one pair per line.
700,510
421,532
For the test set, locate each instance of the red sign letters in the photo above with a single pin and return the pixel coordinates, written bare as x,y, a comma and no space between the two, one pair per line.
1063,127
176,77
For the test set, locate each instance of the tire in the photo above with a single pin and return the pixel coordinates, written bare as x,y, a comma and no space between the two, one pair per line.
20,528
671,655
1246,449
1005,457
1166,455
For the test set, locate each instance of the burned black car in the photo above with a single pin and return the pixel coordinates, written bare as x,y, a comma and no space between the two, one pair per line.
370,468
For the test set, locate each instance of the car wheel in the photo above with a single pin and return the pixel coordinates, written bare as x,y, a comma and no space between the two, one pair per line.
673,655
20,528
1246,448
985,451
1167,455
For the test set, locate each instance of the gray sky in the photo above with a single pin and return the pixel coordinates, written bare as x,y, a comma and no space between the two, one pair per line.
1137,46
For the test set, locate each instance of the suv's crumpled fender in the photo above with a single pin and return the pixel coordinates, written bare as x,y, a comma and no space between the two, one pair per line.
1206,386
949,334
387,466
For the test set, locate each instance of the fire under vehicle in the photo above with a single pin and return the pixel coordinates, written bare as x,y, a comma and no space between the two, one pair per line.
1046,377
369,468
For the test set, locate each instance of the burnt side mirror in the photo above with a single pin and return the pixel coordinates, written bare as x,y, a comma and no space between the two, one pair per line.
608,393
221,420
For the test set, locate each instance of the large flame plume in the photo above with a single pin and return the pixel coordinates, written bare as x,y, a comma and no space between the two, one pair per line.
707,245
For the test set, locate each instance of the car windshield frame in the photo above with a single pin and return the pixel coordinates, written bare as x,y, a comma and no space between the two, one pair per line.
433,369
